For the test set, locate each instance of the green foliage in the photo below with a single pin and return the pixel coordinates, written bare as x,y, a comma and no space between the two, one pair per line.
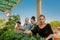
12,21
55,23
7,4
8,27
2,23
8,35
12,35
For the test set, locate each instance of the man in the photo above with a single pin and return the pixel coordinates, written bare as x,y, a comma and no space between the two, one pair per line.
27,25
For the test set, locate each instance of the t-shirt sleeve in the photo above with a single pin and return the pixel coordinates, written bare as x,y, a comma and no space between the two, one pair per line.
49,29
34,31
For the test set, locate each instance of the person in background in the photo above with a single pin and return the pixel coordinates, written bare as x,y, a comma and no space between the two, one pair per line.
33,22
18,27
43,29
27,25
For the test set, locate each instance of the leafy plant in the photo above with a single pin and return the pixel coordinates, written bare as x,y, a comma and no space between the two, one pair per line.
55,23
12,21
2,23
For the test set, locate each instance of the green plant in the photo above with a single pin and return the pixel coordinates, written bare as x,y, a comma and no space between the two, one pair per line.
13,35
12,21
2,23
55,23
9,27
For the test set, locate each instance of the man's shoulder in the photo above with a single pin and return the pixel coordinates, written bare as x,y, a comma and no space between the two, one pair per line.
24,24
29,24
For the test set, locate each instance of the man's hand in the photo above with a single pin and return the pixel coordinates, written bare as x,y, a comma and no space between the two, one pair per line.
28,32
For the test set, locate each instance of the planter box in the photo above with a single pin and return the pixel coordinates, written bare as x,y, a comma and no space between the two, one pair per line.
56,37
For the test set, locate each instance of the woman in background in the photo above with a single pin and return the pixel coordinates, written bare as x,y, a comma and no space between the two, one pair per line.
19,27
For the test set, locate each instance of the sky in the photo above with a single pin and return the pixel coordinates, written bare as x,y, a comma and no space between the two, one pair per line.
27,8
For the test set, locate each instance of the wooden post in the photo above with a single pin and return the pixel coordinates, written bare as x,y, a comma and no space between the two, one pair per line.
39,11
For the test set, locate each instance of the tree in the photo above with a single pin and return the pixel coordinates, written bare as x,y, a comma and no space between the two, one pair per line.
55,23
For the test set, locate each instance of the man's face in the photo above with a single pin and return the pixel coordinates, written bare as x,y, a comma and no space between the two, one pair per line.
26,20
